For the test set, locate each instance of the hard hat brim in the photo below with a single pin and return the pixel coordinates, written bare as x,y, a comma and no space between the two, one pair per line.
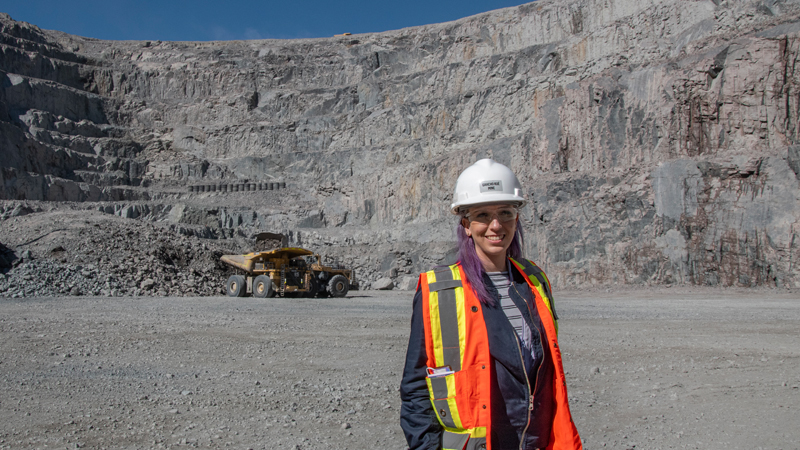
517,201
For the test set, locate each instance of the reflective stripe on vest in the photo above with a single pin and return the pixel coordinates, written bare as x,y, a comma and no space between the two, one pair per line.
446,308
464,441
447,299
541,283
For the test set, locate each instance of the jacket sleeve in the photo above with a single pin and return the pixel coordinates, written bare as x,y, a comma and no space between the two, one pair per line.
417,418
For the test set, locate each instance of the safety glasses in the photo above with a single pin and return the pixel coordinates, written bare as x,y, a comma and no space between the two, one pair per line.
485,216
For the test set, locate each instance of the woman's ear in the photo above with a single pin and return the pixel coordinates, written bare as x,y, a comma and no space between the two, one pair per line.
465,224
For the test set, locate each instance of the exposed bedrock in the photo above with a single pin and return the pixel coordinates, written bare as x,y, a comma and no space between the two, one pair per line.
658,140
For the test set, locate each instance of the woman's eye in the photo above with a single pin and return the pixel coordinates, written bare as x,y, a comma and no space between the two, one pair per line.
482,215
505,215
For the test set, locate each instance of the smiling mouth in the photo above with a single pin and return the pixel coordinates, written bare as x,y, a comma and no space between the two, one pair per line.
494,238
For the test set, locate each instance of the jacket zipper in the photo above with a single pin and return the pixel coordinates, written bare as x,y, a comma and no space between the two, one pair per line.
524,370
530,396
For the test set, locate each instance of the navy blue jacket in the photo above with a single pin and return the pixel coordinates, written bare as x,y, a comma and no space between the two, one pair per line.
510,389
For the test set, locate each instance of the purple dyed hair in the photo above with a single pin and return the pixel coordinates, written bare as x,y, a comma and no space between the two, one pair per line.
471,264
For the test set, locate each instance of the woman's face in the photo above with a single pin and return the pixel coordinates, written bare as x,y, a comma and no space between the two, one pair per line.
492,229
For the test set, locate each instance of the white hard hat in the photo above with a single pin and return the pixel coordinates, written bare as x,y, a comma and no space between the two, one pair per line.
486,181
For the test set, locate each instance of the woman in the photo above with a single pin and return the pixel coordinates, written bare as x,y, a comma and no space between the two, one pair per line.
483,368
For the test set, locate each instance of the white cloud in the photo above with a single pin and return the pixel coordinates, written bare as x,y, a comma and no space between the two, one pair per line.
252,33
220,33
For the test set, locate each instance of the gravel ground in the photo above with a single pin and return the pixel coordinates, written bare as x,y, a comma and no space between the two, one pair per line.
650,369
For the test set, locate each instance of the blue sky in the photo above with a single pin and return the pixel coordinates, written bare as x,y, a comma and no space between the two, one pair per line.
205,20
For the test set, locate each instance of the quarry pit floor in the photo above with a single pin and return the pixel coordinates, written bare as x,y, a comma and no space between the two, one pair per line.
646,369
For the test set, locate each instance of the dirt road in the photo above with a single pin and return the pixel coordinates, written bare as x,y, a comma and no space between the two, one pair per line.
688,368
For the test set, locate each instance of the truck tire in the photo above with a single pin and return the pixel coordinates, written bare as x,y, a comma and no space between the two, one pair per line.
338,286
262,287
322,284
313,286
236,286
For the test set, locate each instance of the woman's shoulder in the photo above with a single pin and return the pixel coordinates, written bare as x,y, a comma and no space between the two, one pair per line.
528,265
437,269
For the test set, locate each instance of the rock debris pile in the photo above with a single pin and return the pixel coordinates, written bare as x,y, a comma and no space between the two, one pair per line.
91,253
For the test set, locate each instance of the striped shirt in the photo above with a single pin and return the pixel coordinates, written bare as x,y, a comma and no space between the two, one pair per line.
501,283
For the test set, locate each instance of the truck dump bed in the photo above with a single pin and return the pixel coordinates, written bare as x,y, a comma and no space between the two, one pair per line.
247,262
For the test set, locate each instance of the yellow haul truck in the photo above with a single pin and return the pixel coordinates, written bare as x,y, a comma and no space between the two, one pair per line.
287,271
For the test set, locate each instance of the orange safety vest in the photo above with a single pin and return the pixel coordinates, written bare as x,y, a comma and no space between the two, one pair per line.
457,346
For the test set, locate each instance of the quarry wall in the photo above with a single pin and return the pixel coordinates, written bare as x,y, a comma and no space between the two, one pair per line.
657,140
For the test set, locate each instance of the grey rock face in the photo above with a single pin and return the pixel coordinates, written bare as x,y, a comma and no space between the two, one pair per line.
657,139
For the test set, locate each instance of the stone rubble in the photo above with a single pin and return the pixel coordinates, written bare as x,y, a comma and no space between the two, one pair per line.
383,284
130,258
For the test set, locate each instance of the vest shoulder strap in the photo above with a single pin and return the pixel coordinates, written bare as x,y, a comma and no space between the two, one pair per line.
445,295
538,277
